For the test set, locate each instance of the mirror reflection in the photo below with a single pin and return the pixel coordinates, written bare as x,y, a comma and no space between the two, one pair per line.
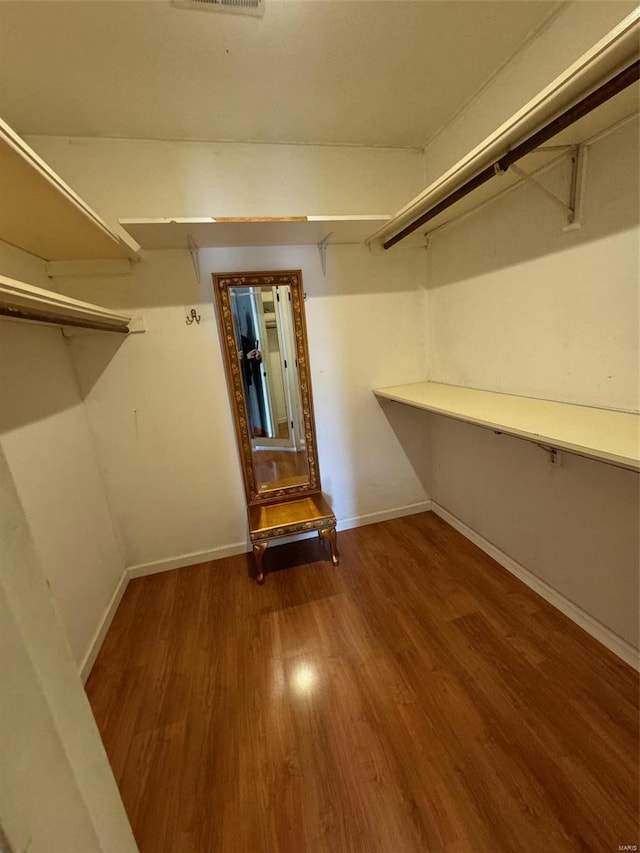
264,332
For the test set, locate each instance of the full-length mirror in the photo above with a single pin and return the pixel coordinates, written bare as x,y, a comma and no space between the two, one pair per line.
264,340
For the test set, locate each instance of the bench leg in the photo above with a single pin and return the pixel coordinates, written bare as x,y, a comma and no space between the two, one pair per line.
329,533
258,552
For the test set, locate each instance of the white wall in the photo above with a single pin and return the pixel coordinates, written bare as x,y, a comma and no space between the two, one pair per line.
141,178
22,266
158,403
45,435
159,409
57,791
517,305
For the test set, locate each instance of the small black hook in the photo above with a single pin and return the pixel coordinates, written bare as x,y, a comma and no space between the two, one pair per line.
193,315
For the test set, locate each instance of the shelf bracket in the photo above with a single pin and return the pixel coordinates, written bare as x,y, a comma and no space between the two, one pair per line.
578,186
194,251
572,209
322,248
555,457
542,189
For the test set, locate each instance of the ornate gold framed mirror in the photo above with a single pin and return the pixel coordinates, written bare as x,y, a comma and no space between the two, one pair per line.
263,334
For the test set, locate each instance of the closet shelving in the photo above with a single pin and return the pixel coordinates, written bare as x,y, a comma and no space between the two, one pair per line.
480,176
602,434
211,232
208,232
611,65
21,301
42,215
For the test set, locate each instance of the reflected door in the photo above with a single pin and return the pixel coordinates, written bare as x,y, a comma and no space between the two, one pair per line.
262,319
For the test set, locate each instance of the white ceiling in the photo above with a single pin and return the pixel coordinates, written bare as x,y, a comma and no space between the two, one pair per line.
353,72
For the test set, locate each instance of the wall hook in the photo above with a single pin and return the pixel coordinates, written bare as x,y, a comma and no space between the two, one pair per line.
193,315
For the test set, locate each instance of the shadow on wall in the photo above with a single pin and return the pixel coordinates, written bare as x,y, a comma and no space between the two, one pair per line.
37,377
523,225
92,355
161,278
365,330
167,278
411,428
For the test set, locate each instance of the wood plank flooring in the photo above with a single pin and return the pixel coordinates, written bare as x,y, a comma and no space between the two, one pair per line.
279,468
418,698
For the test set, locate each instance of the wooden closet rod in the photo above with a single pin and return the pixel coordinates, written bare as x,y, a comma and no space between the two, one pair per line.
586,105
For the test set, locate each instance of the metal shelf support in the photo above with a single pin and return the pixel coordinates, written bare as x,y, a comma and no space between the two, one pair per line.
194,251
322,248
572,208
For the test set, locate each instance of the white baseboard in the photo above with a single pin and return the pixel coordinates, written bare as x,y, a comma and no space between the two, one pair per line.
191,559
383,515
600,632
368,518
195,557
103,627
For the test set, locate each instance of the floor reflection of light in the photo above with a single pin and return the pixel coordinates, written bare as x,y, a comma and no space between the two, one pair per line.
303,679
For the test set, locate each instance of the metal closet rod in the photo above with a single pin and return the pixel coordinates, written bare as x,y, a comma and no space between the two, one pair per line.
612,87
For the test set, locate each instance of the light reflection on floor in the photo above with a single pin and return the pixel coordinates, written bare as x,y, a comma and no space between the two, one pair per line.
303,679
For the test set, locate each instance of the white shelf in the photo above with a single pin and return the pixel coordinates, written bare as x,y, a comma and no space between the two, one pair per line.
42,215
209,232
618,49
21,301
601,434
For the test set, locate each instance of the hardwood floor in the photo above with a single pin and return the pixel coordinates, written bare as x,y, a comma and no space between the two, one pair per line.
279,468
418,698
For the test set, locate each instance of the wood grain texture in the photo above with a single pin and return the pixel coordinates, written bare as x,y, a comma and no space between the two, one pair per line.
418,698
311,508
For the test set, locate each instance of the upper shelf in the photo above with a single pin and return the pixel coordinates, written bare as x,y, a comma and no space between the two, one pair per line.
42,215
601,434
615,52
210,232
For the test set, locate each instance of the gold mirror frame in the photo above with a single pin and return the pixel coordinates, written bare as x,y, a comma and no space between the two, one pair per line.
222,282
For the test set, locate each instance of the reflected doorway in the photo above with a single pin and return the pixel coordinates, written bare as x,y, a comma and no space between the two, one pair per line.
265,338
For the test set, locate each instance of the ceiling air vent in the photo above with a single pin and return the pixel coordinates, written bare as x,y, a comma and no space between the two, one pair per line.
236,7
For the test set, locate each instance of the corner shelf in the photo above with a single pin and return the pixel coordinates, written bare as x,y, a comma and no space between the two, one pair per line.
601,434
21,301
615,52
210,232
43,216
